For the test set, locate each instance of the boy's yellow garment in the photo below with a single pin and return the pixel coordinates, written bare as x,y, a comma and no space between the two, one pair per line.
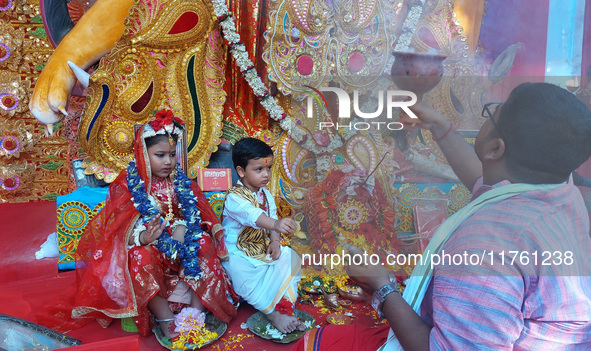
253,242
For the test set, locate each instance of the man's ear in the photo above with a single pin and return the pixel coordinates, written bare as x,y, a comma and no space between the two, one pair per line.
494,149
240,171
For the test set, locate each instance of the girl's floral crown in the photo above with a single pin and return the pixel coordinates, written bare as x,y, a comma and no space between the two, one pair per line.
164,122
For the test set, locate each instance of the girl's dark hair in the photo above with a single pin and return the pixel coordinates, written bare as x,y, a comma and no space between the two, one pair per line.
158,138
249,149
547,132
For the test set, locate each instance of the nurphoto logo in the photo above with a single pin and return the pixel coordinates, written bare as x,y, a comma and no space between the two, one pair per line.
392,97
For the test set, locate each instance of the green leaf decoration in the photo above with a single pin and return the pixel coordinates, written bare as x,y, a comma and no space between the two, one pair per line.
39,32
52,165
49,197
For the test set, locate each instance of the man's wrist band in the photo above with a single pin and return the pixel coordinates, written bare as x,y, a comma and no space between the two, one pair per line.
379,297
451,125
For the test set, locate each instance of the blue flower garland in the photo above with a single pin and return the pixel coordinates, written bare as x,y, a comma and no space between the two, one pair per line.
187,251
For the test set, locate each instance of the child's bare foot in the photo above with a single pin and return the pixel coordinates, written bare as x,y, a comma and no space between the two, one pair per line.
167,326
285,323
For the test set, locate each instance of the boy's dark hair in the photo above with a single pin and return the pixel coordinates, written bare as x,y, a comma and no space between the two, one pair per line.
158,138
547,132
249,149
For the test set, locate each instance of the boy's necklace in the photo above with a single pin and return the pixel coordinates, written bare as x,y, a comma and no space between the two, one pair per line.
265,204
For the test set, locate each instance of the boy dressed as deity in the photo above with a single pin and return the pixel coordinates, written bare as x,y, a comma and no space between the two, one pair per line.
265,273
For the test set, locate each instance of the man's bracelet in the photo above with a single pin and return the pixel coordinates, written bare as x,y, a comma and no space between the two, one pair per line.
451,125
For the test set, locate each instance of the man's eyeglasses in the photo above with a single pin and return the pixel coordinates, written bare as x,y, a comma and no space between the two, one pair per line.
488,111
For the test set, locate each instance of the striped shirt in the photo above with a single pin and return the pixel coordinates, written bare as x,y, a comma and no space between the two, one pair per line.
517,276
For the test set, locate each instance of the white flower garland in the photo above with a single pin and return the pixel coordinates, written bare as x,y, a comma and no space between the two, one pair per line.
323,165
247,69
408,29
169,128
335,143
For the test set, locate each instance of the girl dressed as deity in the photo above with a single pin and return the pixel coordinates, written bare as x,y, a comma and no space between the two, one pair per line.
155,242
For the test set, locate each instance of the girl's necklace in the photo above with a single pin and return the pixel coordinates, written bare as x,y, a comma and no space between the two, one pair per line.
170,194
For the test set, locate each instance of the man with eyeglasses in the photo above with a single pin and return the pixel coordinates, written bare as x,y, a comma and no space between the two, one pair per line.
521,280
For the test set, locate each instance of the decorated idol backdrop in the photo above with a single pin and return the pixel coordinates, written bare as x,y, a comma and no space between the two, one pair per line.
206,61
257,68
228,78
165,54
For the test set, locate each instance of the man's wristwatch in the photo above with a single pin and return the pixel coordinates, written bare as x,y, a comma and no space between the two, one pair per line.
379,296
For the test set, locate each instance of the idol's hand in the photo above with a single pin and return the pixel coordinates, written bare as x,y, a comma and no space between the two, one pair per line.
153,230
52,92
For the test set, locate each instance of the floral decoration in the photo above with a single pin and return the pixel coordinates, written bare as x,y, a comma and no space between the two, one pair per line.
409,27
238,50
6,5
190,324
10,183
312,285
164,122
284,306
8,101
326,206
4,52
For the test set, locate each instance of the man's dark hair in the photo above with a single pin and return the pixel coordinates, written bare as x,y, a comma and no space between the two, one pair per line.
249,149
547,132
158,138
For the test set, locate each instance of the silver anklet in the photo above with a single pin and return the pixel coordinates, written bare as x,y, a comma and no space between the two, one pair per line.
164,320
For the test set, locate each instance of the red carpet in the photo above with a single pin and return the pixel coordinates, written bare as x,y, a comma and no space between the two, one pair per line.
28,283
25,226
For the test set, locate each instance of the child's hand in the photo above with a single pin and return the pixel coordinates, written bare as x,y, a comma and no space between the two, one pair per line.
274,249
153,231
285,225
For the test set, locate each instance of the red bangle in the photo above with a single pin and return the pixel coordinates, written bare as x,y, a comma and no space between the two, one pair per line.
444,134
